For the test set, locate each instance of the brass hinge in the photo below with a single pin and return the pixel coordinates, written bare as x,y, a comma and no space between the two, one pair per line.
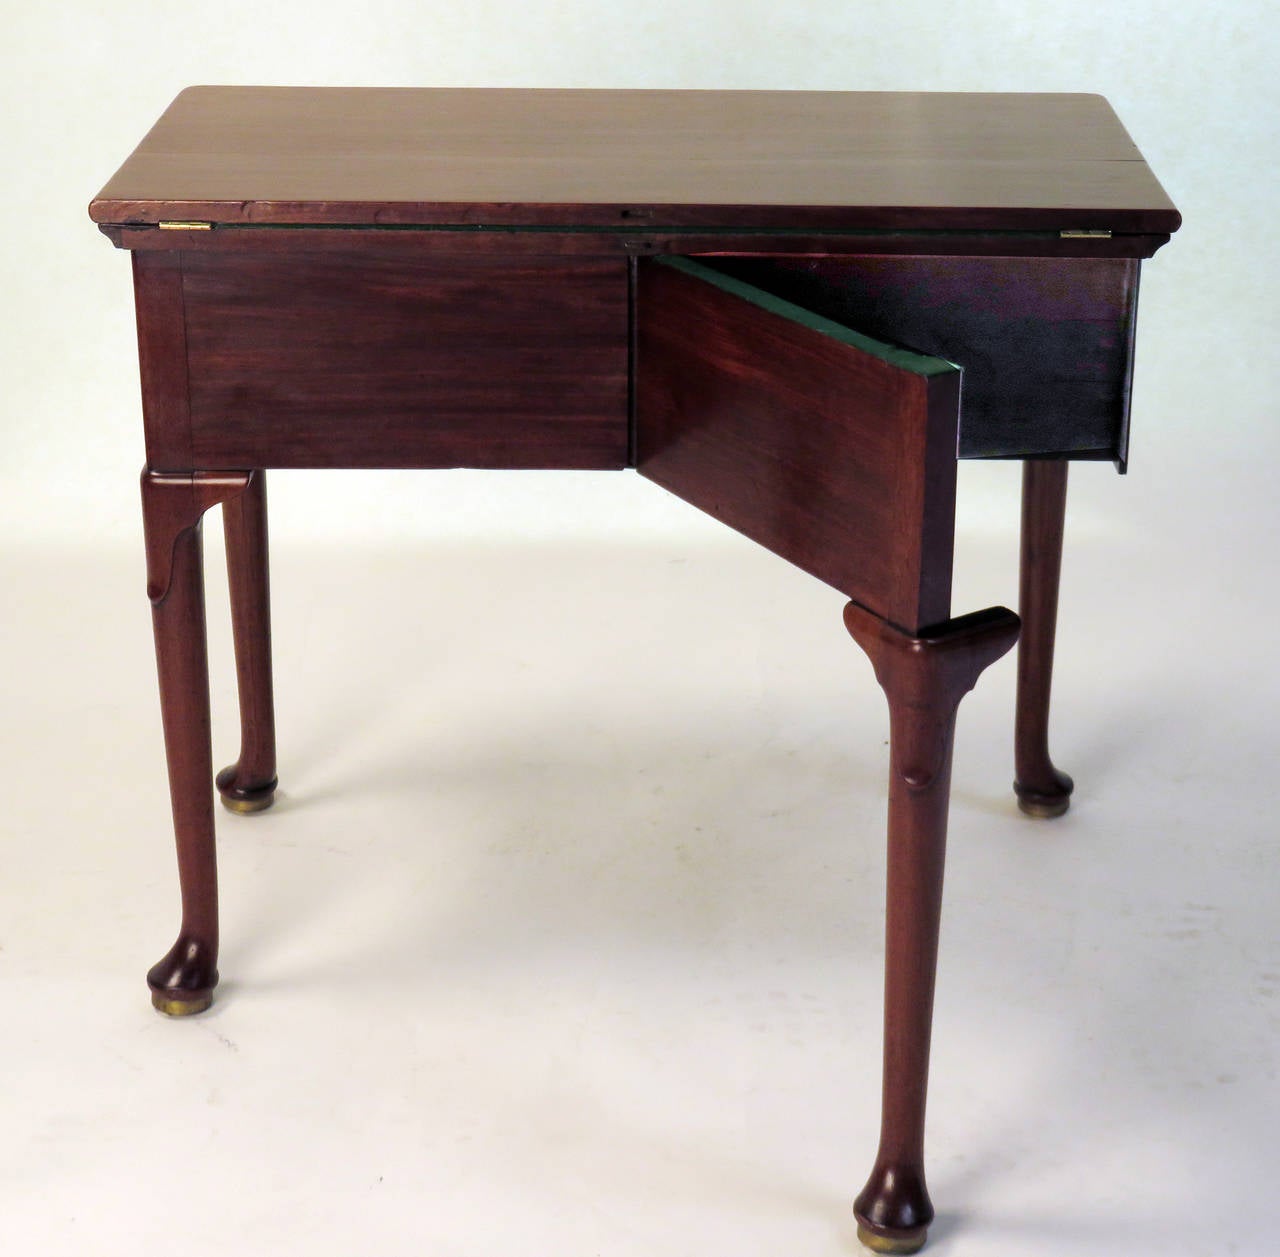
174,225
1085,233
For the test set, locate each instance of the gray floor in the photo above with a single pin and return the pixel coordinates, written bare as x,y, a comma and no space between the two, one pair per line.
565,936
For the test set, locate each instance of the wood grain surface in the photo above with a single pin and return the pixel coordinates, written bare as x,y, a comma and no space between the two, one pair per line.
1046,343
835,452
342,360
846,160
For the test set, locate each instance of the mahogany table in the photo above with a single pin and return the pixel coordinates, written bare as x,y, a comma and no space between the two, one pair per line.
795,310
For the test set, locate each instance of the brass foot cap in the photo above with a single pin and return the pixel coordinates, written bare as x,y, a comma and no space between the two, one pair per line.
180,1006
908,1242
241,800
247,806
1044,805
1043,809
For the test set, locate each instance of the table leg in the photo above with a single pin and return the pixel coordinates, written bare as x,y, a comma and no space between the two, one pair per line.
1042,790
249,785
172,509
924,678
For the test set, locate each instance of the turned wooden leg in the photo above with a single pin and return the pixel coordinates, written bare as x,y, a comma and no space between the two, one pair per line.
172,508
1042,790
923,677
249,785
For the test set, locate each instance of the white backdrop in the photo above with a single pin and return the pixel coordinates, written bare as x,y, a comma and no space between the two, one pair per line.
1129,955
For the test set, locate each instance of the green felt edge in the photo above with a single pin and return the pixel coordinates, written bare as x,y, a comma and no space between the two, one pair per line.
894,355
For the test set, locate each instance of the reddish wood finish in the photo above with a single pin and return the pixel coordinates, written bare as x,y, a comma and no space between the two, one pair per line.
162,359
249,784
174,503
433,278
924,678
1041,789
342,360
248,240
902,160
836,459
1045,343
172,509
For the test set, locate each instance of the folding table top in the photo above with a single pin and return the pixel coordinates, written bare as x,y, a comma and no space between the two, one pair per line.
477,157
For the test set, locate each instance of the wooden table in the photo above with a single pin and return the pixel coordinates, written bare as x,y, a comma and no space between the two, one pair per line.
792,309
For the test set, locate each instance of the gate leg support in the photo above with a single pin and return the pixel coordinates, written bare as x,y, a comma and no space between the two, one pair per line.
923,677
